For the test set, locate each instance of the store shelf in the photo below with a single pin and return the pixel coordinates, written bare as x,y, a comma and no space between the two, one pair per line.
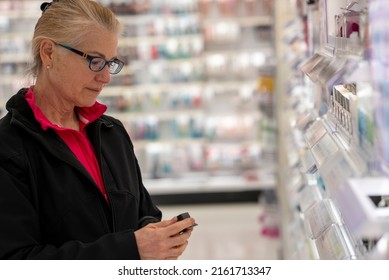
161,116
155,40
208,58
24,13
206,185
14,58
337,185
166,87
243,22
189,92
9,79
151,18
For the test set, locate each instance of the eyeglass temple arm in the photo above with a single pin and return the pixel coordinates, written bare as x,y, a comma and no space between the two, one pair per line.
84,55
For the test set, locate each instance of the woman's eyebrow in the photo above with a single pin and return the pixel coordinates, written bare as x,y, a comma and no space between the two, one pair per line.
99,54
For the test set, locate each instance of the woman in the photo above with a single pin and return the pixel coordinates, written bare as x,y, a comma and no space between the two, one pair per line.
70,186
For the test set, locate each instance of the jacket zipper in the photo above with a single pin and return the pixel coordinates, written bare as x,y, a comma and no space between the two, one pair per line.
99,158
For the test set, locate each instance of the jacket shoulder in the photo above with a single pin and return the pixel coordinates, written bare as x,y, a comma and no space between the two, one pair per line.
109,121
10,139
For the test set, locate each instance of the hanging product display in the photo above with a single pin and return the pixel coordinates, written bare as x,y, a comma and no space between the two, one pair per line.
336,156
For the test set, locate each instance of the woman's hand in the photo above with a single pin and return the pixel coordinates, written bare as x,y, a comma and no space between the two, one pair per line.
163,240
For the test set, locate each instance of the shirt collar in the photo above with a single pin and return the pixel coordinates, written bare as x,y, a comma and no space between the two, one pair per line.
86,115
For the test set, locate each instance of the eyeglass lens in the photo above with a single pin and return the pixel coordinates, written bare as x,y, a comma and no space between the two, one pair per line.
98,63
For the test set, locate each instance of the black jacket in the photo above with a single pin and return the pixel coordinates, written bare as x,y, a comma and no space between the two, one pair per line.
51,208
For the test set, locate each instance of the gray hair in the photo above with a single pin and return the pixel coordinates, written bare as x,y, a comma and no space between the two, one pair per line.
68,22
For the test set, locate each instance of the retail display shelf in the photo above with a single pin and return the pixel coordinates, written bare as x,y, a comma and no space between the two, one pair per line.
188,141
139,62
247,21
244,21
119,89
14,58
160,116
15,35
10,79
333,147
156,39
253,52
141,144
250,50
164,87
146,18
192,89
25,14
204,185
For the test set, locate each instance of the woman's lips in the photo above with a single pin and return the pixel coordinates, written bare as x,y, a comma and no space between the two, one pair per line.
98,90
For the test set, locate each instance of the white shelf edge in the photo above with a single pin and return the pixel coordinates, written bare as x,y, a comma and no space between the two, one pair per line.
186,186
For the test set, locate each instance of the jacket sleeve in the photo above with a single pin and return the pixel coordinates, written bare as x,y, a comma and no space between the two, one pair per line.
150,213
21,238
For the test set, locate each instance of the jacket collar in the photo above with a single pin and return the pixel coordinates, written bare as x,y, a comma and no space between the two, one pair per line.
86,115
23,115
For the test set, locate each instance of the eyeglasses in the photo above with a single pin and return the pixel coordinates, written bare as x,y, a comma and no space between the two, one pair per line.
97,63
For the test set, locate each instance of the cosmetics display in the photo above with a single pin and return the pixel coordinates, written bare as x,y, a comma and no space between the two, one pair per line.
335,147
186,97
378,50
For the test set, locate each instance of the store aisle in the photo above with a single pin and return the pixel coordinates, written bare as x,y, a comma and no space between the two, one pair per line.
226,231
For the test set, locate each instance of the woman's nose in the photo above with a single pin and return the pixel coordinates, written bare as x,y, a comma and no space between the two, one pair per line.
104,76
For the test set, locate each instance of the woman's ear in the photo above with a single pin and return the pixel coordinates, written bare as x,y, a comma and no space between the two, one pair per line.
47,52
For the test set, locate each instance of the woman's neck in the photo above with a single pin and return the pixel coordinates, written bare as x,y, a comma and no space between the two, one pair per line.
55,109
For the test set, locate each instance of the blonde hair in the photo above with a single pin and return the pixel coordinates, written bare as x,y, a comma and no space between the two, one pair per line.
67,22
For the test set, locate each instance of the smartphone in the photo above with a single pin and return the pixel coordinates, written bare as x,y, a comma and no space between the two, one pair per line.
183,216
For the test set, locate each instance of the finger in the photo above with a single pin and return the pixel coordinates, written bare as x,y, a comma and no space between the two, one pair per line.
164,223
179,239
180,226
174,219
177,251
188,228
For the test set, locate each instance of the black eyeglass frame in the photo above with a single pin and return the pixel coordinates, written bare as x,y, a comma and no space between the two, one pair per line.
89,58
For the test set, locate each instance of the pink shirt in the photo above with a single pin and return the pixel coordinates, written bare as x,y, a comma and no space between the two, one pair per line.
77,141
